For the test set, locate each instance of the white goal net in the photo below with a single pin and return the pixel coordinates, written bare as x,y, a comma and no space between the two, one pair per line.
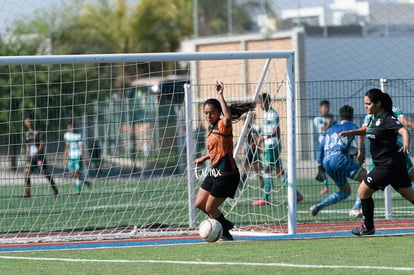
137,119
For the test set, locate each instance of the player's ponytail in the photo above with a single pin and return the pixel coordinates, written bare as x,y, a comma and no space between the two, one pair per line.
376,95
236,109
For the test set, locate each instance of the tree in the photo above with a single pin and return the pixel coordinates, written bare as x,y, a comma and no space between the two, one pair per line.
39,89
162,24
13,98
149,26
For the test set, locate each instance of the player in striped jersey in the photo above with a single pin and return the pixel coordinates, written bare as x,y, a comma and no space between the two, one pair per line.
73,157
321,124
272,149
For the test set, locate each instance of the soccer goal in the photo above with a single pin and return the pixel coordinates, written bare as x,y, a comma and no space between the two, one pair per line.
139,123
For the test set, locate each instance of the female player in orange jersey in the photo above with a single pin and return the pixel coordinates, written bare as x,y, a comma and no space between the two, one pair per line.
223,179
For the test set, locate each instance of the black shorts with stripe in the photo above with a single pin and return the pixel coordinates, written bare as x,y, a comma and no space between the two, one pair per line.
223,186
396,175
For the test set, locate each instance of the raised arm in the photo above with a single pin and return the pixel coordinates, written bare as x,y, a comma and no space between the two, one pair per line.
224,107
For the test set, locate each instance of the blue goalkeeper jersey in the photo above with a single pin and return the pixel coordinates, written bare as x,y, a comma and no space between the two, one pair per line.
332,145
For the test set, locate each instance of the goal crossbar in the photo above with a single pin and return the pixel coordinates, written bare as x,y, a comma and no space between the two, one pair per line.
198,56
121,58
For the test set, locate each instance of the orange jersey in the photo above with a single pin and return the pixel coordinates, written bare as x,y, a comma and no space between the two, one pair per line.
220,146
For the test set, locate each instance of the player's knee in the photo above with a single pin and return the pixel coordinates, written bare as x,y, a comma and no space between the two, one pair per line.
345,195
361,175
201,204
364,191
407,193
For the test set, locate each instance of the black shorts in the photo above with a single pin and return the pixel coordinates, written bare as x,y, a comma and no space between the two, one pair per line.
37,162
396,175
222,186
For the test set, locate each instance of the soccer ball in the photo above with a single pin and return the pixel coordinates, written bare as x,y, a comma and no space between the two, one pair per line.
210,230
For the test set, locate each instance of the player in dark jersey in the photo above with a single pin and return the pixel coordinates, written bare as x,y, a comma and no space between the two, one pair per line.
390,166
223,177
35,156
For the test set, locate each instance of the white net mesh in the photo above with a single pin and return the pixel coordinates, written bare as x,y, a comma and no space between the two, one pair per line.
131,120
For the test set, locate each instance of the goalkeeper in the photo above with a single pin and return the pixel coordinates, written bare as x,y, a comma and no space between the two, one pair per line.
335,154
73,156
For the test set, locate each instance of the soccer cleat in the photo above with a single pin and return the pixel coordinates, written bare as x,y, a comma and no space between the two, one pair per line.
228,225
355,213
299,198
324,190
226,236
313,210
26,196
55,192
362,230
260,202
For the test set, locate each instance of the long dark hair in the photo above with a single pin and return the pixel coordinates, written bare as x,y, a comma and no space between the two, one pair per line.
376,95
236,109
265,98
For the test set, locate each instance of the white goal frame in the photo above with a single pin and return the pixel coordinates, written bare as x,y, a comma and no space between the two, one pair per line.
289,56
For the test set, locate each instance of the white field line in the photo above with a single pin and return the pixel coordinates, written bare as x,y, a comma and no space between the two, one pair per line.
396,268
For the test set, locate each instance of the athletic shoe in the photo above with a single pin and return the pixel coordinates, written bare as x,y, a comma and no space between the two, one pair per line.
362,230
260,202
26,196
228,225
355,213
55,192
313,211
324,190
226,236
299,198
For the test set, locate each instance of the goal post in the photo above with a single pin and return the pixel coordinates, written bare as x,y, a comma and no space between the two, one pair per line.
140,120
